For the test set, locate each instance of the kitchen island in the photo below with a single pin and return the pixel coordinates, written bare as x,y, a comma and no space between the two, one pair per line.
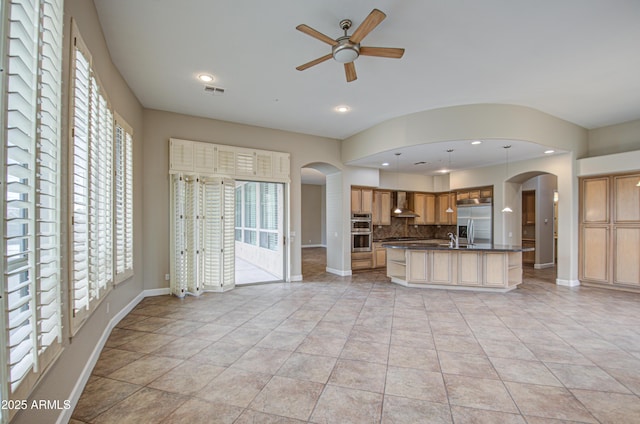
488,267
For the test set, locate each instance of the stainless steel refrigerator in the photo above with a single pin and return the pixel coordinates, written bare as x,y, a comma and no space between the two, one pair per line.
475,223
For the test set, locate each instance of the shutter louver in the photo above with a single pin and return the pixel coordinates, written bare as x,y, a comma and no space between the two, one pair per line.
123,201
31,318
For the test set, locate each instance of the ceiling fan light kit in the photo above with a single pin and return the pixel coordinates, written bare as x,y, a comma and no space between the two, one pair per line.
346,49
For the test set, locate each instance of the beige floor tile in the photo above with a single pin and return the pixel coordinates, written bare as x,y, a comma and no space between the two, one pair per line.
548,402
532,372
359,375
266,361
113,359
147,406
629,378
347,406
150,324
282,340
322,345
179,328
303,366
613,408
365,351
221,353
288,397
211,332
144,370
245,336
454,343
234,387
413,357
101,394
120,336
412,338
369,334
182,348
186,378
480,393
506,349
416,384
462,415
400,410
586,377
147,342
466,364
255,417
200,411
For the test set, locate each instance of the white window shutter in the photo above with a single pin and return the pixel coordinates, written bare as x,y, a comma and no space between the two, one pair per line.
181,155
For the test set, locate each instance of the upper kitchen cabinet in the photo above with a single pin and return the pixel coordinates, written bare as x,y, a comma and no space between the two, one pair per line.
627,195
424,204
445,201
595,200
381,214
361,200
529,207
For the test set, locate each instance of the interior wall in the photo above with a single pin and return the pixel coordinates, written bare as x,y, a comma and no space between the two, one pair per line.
611,139
336,210
61,380
545,186
313,215
159,126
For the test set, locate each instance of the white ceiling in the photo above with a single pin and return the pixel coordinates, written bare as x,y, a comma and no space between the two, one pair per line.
575,59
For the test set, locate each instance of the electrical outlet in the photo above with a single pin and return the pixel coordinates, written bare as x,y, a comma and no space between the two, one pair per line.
167,277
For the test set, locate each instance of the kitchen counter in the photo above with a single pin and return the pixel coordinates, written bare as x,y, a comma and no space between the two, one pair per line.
490,267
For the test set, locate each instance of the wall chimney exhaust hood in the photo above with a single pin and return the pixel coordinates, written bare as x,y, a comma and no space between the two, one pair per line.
402,209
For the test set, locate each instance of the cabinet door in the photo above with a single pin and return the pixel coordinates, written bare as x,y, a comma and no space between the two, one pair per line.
528,207
626,245
442,267
417,266
595,200
627,198
430,209
380,258
442,204
419,208
356,200
495,269
453,216
385,208
367,200
474,194
181,155
594,258
469,268
486,192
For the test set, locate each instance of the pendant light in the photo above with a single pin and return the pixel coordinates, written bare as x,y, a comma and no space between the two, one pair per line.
507,209
449,209
397,210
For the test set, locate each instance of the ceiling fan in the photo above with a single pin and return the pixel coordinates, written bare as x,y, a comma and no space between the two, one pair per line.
347,48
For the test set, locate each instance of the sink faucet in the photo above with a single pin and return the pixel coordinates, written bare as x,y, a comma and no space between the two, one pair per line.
453,240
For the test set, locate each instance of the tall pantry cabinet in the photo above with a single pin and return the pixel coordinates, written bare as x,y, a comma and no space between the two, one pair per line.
610,231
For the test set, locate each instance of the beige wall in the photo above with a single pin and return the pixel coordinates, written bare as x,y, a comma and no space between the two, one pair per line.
619,138
61,380
159,126
313,215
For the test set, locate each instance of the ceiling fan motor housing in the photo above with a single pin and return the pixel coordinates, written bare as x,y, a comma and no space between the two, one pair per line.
345,51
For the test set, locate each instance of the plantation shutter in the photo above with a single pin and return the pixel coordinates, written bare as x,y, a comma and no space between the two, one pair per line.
123,199
30,248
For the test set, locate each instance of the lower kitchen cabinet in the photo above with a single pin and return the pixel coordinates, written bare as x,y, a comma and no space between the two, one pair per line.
361,260
379,255
470,268
442,270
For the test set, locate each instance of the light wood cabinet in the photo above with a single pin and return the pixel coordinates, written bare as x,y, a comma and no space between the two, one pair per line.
443,202
417,265
442,270
424,204
470,268
361,260
610,231
361,200
475,193
495,269
381,214
379,255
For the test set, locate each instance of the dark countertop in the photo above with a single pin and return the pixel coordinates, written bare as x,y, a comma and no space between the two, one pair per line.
417,245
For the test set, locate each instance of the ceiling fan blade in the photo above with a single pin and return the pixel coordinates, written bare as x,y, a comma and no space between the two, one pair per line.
370,22
315,34
350,71
314,62
391,52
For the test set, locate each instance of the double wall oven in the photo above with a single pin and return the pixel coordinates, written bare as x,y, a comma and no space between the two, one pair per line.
361,232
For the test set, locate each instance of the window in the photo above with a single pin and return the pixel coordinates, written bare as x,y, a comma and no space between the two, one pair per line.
31,117
269,216
102,190
250,218
123,199
257,207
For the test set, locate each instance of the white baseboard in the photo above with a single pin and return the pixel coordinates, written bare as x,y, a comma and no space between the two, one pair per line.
543,266
342,273
313,245
567,283
156,292
65,415
296,277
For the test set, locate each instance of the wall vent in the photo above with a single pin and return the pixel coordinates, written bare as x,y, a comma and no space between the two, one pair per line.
215,91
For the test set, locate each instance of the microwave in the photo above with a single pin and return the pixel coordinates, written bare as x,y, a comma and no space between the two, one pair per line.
361,223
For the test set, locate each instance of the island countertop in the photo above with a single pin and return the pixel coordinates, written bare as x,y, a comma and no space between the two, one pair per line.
429,245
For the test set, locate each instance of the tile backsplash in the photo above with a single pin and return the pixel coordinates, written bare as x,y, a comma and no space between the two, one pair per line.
402,227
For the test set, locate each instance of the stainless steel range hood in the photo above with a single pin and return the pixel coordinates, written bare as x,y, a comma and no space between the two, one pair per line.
401,207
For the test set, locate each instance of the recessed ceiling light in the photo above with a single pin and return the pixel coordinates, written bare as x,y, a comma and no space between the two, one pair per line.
342,109
476,142
385,163
548,152
205,77
443,171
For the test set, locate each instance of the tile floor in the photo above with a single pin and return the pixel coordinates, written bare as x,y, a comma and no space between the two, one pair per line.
361,350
